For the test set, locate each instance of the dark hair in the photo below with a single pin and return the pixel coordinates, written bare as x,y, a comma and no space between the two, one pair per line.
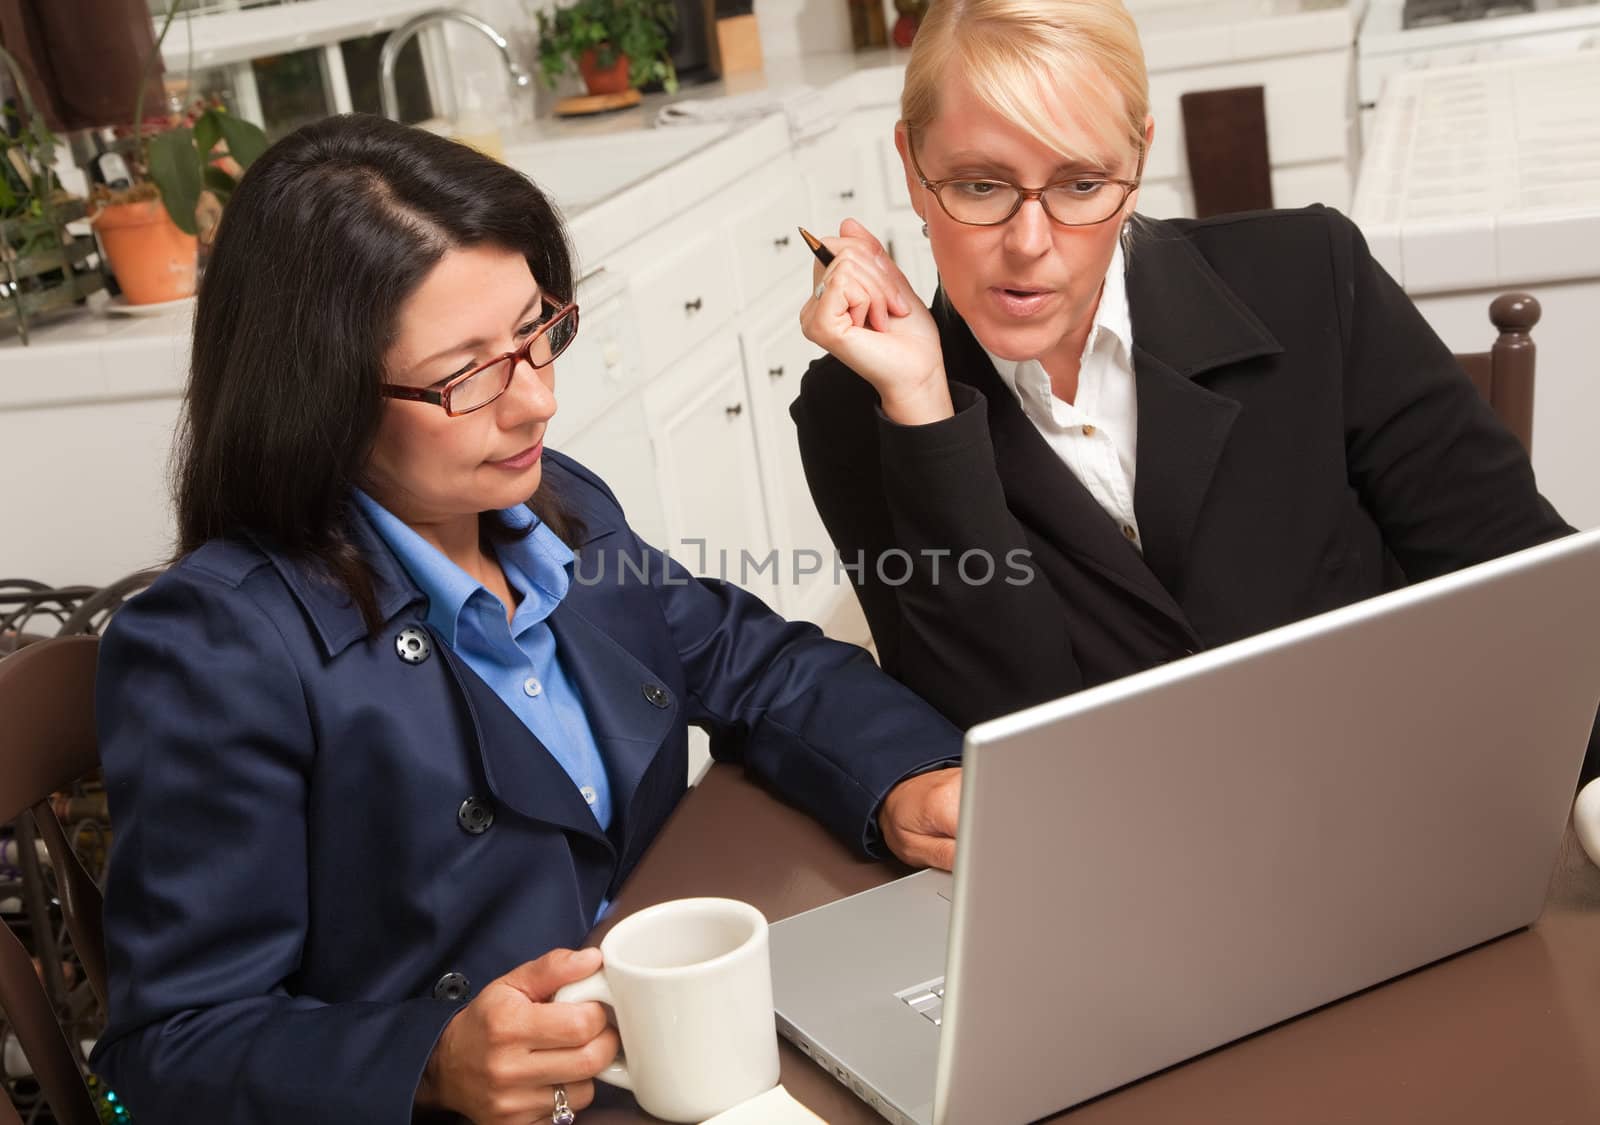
327,235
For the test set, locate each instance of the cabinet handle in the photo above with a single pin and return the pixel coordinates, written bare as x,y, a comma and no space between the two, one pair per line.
848,193
775,372
735,410
780,243
693,306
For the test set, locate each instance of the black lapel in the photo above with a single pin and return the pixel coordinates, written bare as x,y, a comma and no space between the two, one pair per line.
1186,322
1040,490
1182,429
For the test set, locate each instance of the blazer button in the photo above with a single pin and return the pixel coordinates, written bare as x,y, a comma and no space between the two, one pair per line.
413,645
657,695
452,987
475,816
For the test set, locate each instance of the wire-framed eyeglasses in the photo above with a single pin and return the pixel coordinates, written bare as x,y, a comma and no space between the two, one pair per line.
474,389
1079,201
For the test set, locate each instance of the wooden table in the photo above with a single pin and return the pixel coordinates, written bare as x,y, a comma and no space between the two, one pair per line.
1507,1033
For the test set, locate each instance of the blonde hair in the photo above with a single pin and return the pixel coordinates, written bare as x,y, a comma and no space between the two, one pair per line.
1011,50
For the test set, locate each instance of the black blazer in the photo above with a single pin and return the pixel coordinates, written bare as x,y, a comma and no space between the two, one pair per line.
1304,441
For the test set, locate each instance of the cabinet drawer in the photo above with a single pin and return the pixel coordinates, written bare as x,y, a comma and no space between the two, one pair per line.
767,248
708,471
841,182
683,299
603,361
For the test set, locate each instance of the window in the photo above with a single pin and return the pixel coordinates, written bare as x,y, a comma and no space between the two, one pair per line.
282,70
410,78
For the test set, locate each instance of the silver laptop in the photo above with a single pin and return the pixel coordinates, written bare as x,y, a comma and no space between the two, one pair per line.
1160,865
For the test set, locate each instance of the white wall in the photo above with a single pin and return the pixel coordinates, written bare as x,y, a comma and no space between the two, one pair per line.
804,27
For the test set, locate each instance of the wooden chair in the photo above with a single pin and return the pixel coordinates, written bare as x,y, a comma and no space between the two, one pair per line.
47,741
1504,373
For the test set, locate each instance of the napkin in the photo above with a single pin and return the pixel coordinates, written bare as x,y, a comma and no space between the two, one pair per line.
806,108
776,1107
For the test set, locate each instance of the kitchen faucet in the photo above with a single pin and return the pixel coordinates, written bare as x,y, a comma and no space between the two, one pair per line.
398,38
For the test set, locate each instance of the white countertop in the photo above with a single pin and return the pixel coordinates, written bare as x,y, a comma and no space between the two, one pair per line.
1184,33
1486,174
1383,31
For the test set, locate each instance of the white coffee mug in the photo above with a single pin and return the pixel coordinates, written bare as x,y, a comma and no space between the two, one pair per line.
1586,819
690,984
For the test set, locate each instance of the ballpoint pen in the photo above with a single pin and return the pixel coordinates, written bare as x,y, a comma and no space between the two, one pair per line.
824,255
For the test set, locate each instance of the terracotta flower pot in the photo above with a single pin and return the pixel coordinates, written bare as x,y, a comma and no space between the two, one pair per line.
612,80
153,260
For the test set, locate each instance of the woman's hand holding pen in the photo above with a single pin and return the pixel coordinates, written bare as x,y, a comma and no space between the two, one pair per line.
501,1058
864,312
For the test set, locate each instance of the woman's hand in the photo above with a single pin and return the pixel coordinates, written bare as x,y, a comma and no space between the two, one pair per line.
870,318
918,818
501,1057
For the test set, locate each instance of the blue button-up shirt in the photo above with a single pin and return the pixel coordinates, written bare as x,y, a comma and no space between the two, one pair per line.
517,659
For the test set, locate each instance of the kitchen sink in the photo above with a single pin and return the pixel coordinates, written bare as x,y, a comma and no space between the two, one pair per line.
580,170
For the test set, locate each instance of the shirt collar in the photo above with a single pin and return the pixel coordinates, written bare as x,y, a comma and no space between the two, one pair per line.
1111,318
535,565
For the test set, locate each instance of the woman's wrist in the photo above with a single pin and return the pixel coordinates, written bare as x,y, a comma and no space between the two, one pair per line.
918,406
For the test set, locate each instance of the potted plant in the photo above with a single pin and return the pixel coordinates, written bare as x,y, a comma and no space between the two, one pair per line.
187,166
43,267
613,44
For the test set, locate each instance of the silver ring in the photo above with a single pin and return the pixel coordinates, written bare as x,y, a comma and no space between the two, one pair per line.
563,1113
816,293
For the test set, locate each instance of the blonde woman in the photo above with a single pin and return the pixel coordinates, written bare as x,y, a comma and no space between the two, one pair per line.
1116,441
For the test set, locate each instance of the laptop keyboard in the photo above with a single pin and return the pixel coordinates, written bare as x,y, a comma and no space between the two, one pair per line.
927,1000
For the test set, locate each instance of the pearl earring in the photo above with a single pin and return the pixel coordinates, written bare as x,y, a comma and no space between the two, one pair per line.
924,230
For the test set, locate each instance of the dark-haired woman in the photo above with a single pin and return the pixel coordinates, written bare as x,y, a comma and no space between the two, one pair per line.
388,736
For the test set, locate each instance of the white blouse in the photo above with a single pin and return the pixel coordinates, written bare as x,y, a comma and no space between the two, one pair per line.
1096,436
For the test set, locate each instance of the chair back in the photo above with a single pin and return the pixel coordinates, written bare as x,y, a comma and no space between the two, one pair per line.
1504,373
47,741
1225,140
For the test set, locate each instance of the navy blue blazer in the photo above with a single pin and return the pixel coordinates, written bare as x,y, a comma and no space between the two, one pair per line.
322,848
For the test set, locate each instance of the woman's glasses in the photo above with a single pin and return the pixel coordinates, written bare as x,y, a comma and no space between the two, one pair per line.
472,390
1082,201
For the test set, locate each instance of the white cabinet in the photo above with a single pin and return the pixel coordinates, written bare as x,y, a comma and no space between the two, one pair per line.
908,246
706,468
603,363
617,448
767,249
776,356
842,175
684,295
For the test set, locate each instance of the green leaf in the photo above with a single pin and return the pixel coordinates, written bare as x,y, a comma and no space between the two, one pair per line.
176,171
219,183
207,132
245,141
